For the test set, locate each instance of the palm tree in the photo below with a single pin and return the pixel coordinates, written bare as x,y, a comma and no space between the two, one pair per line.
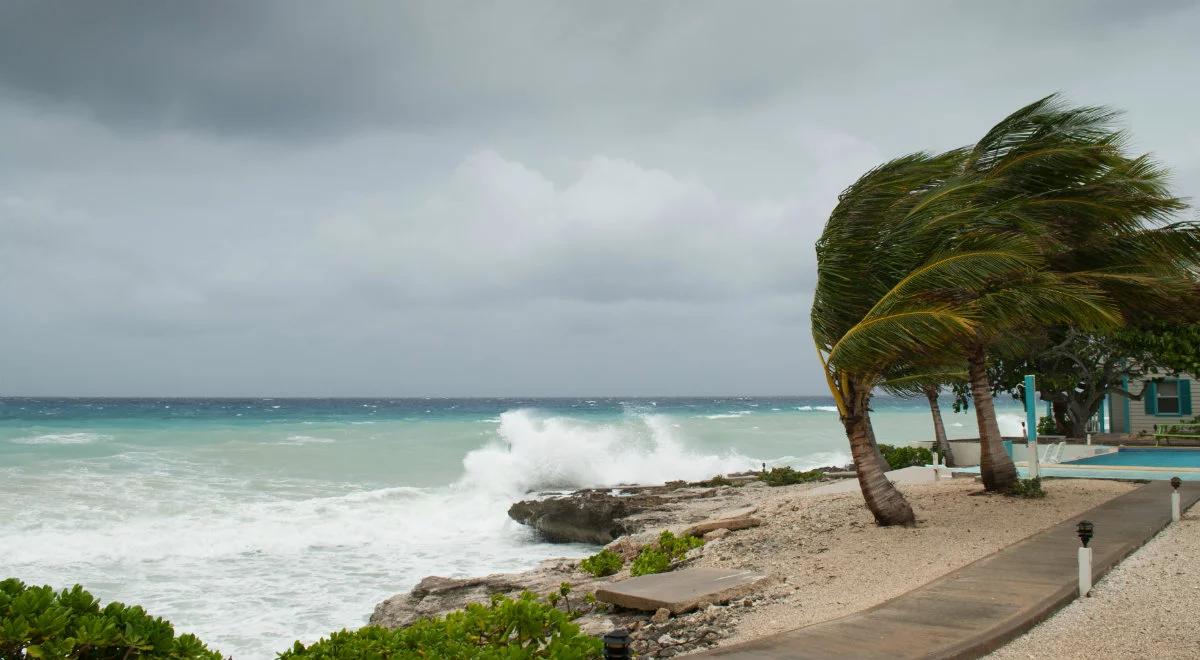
1057,175
867,320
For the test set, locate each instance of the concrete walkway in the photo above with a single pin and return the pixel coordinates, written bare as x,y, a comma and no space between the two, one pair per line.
979,607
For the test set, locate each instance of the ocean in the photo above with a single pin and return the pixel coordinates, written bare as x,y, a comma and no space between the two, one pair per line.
256,522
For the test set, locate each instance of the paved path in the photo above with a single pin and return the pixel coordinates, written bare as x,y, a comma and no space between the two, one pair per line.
979,607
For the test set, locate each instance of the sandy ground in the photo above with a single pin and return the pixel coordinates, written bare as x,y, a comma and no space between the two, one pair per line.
1146,607
830,559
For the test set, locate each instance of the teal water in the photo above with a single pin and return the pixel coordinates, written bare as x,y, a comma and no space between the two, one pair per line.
256,522
1186,458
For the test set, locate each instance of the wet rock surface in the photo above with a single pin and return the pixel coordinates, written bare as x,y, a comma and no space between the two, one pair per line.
603,515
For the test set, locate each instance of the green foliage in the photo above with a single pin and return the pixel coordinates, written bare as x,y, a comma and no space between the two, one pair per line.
603,563
1046,425
506,629
37,622
650,561
1028,488
719,480
658,557
902,457
786,476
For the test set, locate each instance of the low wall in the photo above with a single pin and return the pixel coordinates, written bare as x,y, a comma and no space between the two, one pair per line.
966,450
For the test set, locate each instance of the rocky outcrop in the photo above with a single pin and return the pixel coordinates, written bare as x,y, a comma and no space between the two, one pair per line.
437,595
600,516
583,517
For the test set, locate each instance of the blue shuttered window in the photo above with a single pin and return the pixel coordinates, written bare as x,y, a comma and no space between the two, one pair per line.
1150,398
1185,397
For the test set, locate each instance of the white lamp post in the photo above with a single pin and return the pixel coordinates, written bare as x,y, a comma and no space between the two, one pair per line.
1175,513
1085,529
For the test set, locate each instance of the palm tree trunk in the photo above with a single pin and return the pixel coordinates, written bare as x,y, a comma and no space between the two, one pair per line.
883,464
939,428
995,466
886,503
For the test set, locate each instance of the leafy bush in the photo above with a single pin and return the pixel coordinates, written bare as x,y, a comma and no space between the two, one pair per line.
603,563
1028,488
37,622
1046,425
786,476
719,480
650,561
658,557
902,457
507,628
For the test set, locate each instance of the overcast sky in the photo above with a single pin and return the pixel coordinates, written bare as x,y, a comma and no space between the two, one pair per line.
475,198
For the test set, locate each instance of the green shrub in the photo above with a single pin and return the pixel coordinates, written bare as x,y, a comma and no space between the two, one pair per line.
650,561
719,480
658,557
1046,425
507,628
1028,488
603,563
902,457
37,622
786,476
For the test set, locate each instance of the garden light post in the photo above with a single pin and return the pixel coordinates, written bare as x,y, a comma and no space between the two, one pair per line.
1085,529
616,645
1175,483
1031,421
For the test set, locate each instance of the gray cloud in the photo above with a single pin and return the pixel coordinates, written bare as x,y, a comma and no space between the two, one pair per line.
533,198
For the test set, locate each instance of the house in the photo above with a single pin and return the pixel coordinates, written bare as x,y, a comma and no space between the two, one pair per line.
1165,400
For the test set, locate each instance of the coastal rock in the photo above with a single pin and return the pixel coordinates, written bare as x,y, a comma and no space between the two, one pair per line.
729,524
661,615
436,595
588,517
626,547
600,516
595,625
718,533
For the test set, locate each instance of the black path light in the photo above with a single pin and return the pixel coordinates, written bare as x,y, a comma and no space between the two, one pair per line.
616,645
1176,482
1085,529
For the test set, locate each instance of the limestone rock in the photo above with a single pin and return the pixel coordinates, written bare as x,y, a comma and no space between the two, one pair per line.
595,625
436,595
661,615
625,546
730,524
589,518
718,533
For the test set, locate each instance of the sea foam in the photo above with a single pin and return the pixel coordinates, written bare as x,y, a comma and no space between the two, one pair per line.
62,439
538,451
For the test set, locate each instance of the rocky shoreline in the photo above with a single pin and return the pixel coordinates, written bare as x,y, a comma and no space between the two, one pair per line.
623,520
820,554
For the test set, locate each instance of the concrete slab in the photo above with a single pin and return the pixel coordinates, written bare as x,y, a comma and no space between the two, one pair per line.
680,591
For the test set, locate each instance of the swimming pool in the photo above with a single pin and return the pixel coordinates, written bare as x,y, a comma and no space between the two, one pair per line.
1143,464
1144,457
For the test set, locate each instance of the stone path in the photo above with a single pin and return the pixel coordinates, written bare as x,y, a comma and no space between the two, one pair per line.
979,607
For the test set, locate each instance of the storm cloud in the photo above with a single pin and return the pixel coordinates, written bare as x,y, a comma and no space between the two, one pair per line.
408,199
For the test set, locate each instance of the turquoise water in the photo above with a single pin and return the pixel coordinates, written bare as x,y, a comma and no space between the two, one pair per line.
1185,458
255,522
